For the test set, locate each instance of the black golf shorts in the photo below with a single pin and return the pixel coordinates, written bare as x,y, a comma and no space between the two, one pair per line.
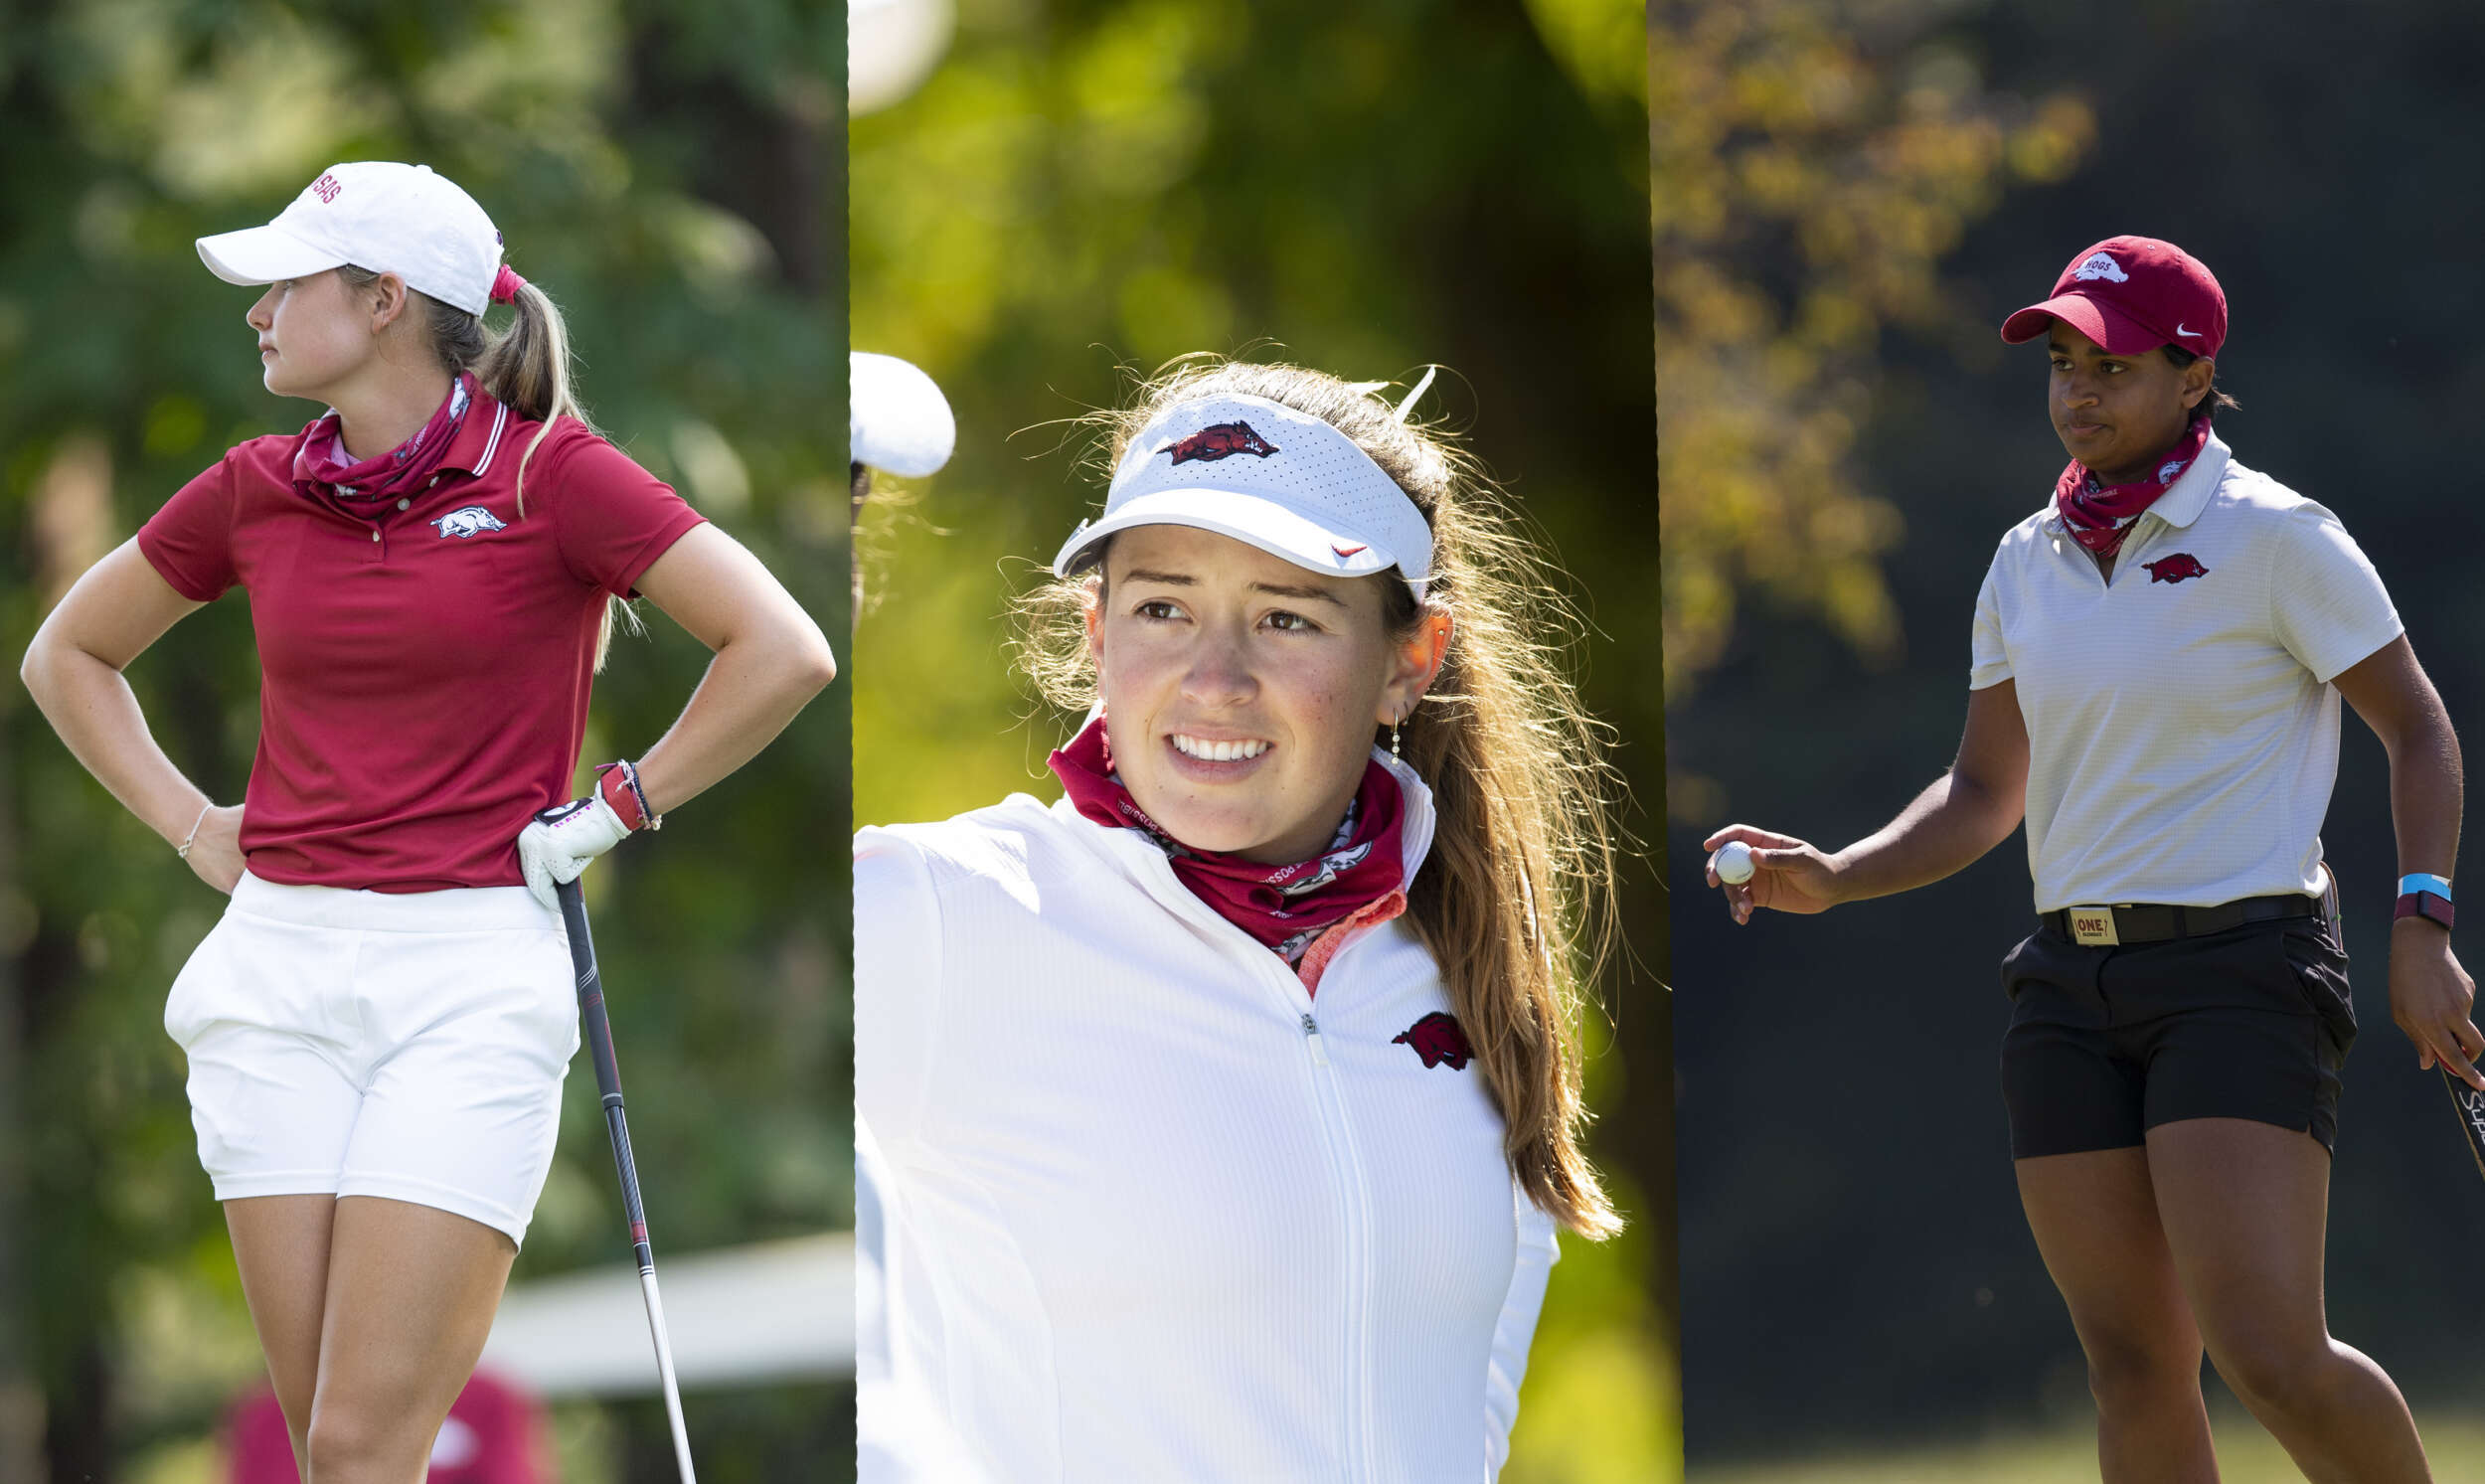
2107,1043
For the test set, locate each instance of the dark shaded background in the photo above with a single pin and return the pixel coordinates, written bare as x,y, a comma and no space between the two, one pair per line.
1855,1264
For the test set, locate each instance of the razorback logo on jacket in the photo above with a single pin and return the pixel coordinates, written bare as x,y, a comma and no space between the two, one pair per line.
472,520
1436,1039
1221,440
2175,569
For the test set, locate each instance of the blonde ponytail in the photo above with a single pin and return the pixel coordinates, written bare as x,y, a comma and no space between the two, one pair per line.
526,368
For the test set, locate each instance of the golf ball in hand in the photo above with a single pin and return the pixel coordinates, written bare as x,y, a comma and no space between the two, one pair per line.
1733,862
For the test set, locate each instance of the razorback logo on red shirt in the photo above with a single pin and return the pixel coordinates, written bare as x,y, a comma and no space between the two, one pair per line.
2175,569
1221,440
1436,1039
473,519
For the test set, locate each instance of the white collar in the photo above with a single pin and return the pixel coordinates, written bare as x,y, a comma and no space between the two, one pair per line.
2183,502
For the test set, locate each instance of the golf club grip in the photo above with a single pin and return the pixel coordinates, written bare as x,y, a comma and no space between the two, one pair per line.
590,986
2470,1105
598,1030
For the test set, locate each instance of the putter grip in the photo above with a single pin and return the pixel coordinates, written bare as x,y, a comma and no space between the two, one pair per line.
2470,1105
590,986
598,1032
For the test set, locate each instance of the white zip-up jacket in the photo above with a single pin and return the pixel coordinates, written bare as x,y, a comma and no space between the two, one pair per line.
1166,1215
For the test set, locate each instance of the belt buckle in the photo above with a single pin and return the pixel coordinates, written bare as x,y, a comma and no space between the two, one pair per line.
2093,926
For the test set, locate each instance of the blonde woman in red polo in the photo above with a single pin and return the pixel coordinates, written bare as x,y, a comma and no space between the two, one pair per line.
2159,658
378,1027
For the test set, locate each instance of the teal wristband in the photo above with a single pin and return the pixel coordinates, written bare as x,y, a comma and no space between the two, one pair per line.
2420,881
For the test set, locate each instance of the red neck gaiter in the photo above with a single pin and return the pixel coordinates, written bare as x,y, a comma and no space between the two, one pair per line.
320,466
2098,517
1283,906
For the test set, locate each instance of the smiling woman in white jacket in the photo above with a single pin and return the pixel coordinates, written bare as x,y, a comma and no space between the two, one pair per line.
1223,1113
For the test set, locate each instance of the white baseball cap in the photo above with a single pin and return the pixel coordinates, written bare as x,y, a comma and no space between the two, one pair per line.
1264,474
376,215
895,418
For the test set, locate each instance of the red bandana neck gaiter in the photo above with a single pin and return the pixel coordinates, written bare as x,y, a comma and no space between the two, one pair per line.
1282,907
321,465
2098,516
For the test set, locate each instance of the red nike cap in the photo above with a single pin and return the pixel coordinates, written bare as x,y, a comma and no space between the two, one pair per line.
2132,295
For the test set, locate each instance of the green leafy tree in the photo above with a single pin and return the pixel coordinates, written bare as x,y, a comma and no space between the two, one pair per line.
1811,170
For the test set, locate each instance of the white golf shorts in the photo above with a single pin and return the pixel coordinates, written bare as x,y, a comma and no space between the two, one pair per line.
349,1042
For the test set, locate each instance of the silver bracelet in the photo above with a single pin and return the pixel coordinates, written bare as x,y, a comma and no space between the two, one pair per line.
183,849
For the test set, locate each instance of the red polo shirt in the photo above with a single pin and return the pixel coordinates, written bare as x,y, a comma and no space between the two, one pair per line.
424,664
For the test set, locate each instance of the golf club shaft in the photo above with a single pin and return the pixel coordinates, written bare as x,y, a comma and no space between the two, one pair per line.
664,1369
598,1032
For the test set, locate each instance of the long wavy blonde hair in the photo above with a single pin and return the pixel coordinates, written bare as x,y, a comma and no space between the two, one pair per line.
1515,901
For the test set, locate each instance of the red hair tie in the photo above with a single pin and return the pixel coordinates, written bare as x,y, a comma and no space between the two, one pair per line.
505,285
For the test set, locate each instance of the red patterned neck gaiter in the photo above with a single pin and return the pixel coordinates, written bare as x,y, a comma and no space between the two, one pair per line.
320,466
2099,516
1283,906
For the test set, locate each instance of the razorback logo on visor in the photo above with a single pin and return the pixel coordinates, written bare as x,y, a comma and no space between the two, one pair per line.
473,519
2175,569
1436,1039
1221,440
1348,553
2100,266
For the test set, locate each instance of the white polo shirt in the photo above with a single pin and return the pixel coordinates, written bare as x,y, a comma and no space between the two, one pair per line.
2182,729
1166,1215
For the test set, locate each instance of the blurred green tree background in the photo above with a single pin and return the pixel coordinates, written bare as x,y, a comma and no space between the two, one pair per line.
1850,197
1086,188
673,174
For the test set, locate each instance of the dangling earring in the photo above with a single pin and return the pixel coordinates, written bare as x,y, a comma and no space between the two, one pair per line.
1393,721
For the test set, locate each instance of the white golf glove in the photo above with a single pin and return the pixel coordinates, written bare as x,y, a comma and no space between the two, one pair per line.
557,845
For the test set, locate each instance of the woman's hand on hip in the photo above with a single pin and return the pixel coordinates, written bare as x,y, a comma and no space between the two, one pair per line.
216,851
1787,875
2434,1000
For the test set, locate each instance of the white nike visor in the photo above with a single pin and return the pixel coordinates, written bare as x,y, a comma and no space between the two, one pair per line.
1268,476
376,215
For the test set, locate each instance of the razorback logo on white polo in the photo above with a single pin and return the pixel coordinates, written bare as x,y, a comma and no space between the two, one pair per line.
2169,469
2100,266
472,520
